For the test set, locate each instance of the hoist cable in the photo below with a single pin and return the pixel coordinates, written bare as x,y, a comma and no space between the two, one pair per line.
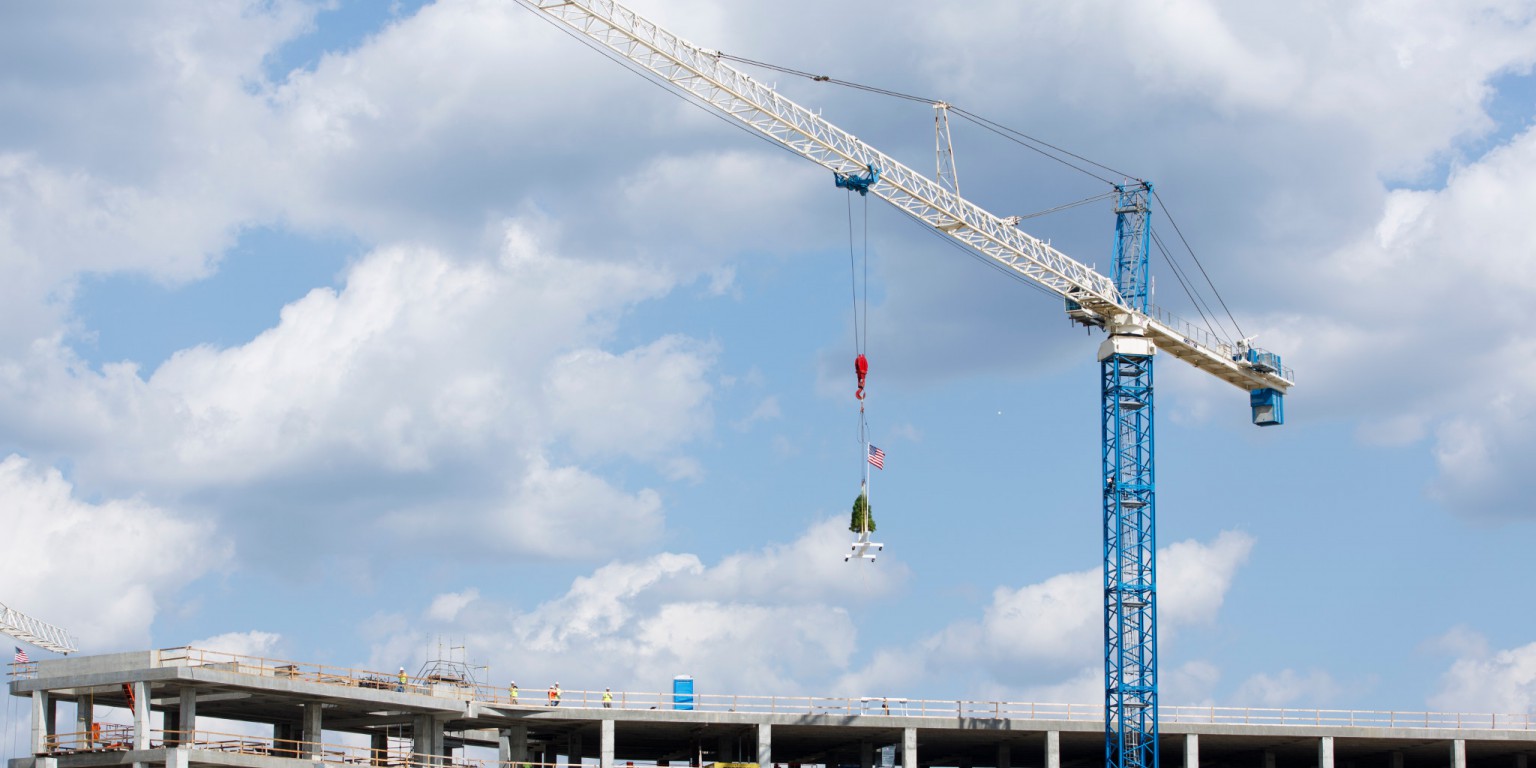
1031,147
1192,255
1178,274
864,308
698,102
1014,135
1005,129
1035,145
853,280
1065,206
825,79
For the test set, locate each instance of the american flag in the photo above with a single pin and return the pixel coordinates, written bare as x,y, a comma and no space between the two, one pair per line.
876,457
21,656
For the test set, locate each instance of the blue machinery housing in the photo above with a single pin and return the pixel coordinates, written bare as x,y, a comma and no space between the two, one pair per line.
1268,404
858,182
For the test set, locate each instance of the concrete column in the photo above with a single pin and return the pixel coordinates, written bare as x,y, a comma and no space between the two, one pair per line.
1459,753
1397,760
1053,749
605,746
573,749
176,758
312,730
1269,759
723,749
866,754
512,744
170,726
378,745
1325,752
1521,761
85,716
423,730
765,745
909,748
51,718
42,735
186,715
140,716
1004,756
1191,750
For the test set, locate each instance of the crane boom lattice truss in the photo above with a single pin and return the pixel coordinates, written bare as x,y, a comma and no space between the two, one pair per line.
1120,306
39,633
700,73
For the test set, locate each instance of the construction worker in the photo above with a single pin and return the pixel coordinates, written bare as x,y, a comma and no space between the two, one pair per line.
607,699
512,691
400,685
554,694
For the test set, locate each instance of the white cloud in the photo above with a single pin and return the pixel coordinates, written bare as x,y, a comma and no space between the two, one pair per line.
1190,684
774,619
360,382
809,569
117,155
1481,680
399,140
252,643
778,620
1044,640
446,606
591,395
102,570
767,410
1408,285
453,378
1288,688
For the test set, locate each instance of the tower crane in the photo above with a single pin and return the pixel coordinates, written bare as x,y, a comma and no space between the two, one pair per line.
1119,305
39,633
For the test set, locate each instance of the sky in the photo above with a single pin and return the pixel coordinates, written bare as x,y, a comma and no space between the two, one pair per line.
348,332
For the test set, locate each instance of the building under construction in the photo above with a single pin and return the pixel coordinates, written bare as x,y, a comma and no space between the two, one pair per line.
185,707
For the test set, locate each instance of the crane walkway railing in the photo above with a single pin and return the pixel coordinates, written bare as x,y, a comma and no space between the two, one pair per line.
469,690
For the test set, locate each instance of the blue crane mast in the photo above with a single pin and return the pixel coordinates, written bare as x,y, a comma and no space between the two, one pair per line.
1120,306
1130,500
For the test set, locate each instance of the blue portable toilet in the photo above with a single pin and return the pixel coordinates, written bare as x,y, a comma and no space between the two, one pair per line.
682,692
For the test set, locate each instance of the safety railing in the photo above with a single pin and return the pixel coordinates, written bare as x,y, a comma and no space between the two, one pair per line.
1204,337
468,690
113,737
25,670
